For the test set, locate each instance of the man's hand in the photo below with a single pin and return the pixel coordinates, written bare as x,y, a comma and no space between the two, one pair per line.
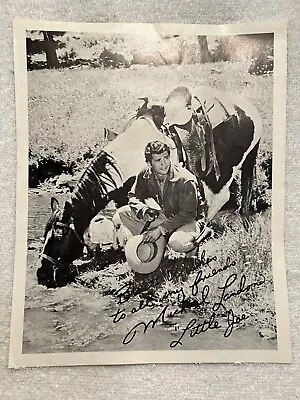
151,235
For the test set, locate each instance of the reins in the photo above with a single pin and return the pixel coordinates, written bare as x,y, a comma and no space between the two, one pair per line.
56,262
52,260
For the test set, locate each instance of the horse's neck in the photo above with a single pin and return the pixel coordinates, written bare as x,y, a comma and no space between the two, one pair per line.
82,214
93,190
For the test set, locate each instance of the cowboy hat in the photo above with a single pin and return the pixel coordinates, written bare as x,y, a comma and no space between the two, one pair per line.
144,258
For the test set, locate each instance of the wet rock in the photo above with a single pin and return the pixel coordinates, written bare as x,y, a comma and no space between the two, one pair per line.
215,71
101,230
67,181
34,246
267,333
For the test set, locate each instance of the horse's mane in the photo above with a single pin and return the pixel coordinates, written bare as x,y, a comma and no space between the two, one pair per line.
91,193
155,113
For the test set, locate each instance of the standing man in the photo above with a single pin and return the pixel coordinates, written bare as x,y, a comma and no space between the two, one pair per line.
175,191
193,122
190,127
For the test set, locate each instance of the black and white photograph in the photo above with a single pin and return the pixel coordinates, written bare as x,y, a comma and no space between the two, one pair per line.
150,194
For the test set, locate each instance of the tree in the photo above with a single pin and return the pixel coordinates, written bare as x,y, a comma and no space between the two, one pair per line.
193,49
203,45
48,46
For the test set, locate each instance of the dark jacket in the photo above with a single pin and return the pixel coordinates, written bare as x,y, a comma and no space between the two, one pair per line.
180,201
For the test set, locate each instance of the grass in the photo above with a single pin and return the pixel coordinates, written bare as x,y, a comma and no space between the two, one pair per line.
249,252
68,110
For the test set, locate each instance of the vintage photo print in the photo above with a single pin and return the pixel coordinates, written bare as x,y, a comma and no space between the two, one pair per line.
150,194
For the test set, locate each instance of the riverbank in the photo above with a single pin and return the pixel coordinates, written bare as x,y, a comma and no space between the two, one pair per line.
80,317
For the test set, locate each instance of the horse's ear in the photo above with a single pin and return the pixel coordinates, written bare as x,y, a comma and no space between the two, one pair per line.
68,211
54,204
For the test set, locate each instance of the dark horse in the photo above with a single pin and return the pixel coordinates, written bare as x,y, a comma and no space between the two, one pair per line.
226,143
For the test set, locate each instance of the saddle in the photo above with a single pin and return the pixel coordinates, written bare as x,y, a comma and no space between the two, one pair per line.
209,112
216,109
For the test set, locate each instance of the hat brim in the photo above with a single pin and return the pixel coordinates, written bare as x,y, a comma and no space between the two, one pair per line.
133,260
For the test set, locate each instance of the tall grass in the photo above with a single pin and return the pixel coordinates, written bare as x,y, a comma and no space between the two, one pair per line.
247,251
250,251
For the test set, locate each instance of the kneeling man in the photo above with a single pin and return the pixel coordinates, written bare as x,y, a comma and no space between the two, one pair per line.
180,218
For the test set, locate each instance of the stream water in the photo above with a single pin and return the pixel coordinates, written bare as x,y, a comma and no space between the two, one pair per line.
76,318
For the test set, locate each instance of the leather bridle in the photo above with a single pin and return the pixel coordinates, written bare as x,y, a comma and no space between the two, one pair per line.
72,228
56,262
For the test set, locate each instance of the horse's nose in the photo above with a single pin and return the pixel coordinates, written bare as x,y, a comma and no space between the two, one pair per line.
43,276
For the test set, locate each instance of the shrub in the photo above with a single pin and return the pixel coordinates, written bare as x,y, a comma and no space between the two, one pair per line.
263,64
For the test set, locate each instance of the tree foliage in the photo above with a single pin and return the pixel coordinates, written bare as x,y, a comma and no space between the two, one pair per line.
47,45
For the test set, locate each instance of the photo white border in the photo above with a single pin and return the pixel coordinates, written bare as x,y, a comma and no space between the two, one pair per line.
283,354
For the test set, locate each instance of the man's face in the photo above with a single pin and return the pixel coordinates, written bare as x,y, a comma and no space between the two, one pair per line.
160,163
177,112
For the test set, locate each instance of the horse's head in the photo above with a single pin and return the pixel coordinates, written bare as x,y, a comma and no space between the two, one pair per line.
62,245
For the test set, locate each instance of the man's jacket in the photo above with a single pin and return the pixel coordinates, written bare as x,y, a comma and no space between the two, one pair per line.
180,201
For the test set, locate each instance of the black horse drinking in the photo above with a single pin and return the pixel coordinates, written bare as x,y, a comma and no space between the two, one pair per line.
215,146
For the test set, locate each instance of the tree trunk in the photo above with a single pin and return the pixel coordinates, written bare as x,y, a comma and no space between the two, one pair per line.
50,50
203,46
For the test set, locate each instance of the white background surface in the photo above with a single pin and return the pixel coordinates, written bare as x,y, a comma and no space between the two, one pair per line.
149,381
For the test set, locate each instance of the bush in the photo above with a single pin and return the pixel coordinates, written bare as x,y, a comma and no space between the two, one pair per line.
94,50
263,182
108,59
263,64
47,165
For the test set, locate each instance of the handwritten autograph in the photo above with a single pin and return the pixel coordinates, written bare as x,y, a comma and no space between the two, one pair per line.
204,262
195,326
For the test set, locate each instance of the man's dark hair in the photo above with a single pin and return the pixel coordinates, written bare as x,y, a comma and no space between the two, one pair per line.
155,147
